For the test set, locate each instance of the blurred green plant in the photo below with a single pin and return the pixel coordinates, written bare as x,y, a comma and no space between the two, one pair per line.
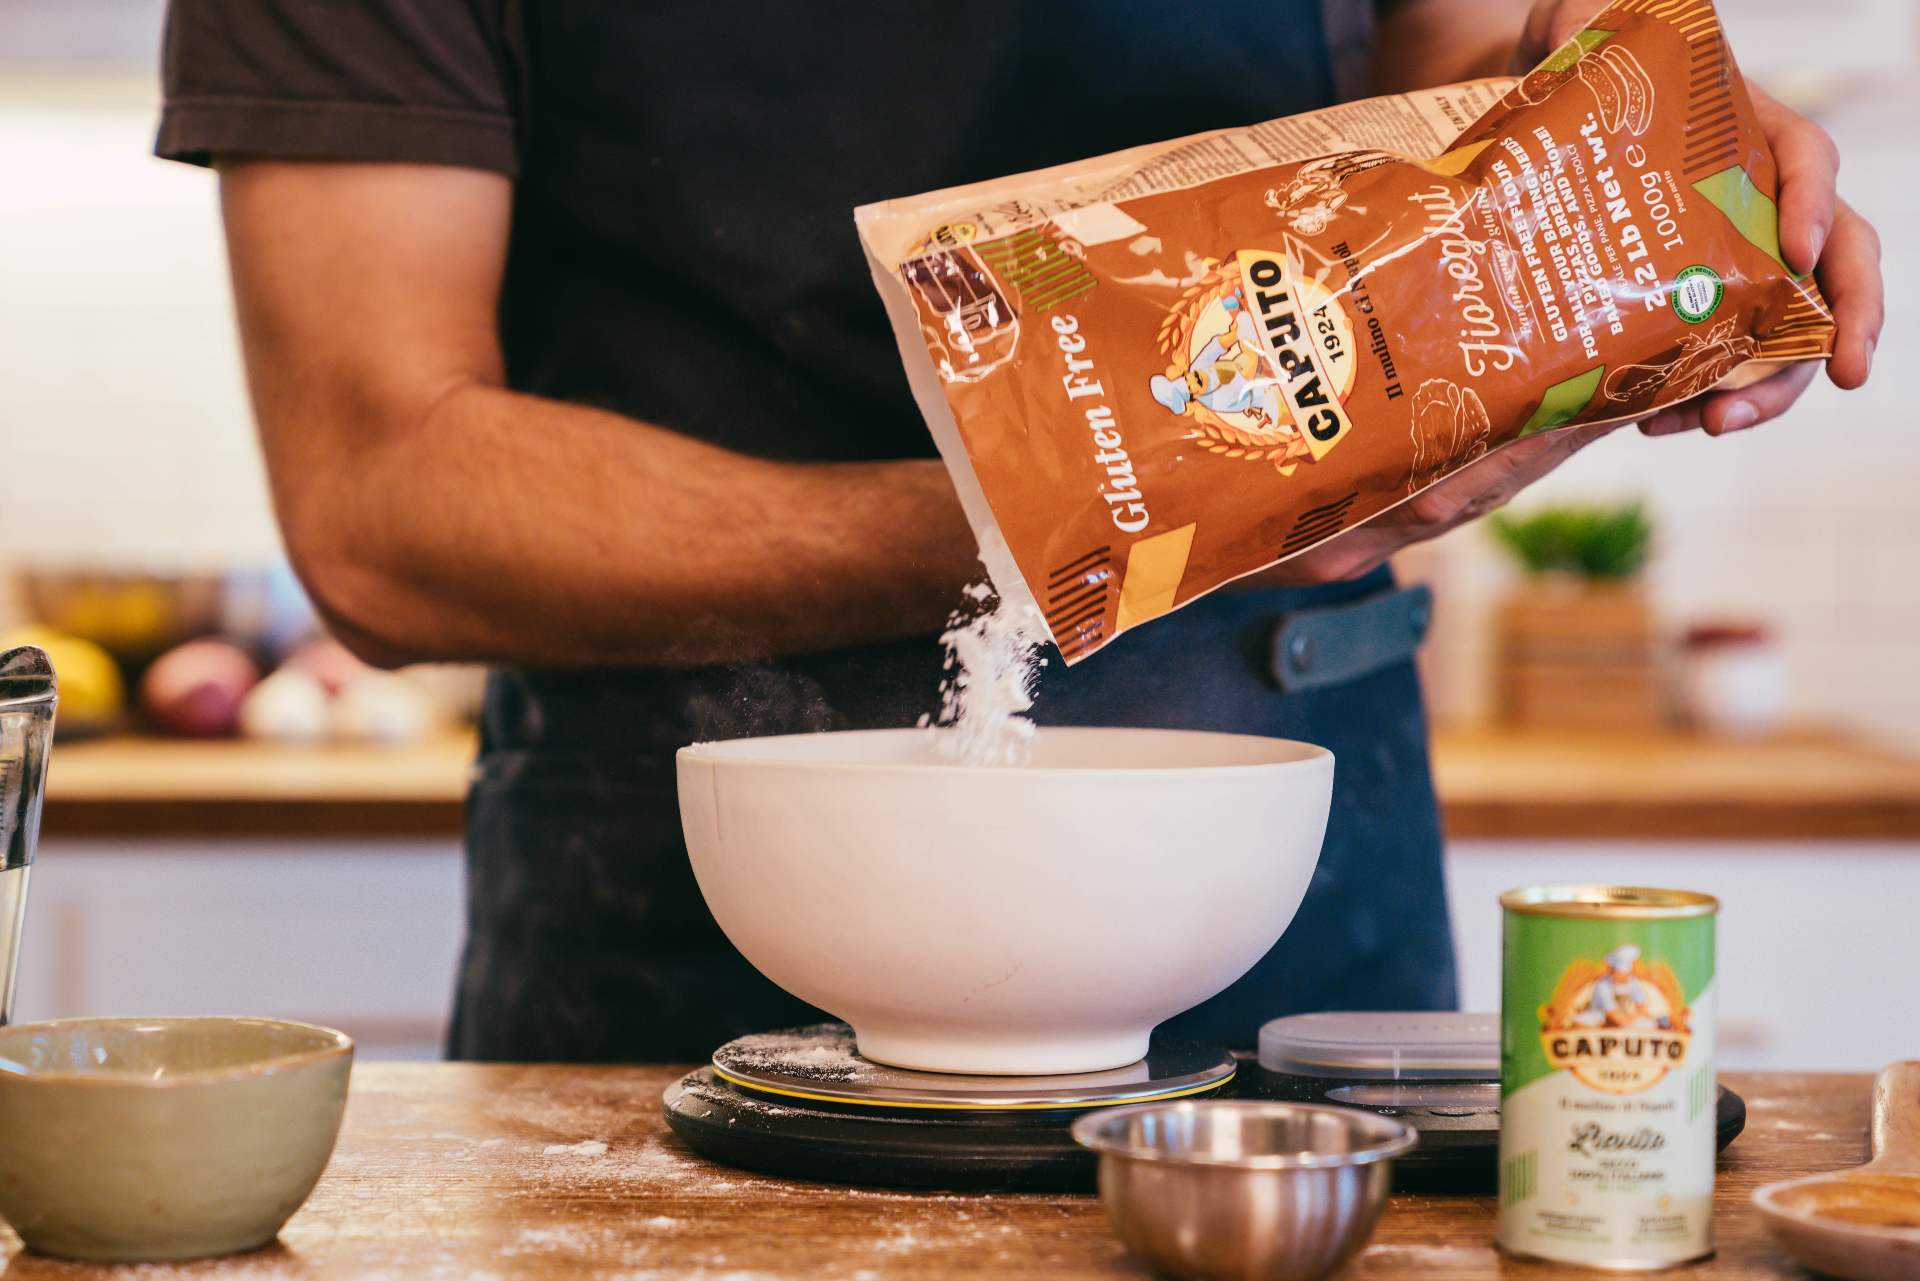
1590,541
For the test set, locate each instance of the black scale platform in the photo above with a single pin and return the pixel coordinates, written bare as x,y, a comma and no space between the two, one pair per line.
802,1104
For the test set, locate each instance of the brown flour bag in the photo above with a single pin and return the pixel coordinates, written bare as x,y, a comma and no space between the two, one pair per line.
1158,371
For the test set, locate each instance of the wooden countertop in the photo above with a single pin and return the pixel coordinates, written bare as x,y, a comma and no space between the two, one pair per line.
1493,784
453,1171
164,787
1804,785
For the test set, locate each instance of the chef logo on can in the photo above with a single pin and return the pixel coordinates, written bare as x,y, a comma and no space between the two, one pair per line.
1619,1024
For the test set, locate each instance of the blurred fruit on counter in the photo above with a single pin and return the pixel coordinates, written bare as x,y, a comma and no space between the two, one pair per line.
137,615
1576,645
267,611
329,662
134,616
93,696
195,647
457,689
320,696
195,690
289,706
383,708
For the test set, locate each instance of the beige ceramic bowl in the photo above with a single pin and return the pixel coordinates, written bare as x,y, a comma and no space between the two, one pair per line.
166,1138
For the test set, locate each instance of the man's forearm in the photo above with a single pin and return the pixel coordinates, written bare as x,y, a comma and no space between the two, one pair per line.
433,514
509,528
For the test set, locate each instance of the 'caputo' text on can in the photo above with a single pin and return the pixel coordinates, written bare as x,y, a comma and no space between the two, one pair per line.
1607,1090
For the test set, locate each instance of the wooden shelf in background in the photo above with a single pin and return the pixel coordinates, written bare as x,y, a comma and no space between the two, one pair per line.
1492,784
154,787
1805,785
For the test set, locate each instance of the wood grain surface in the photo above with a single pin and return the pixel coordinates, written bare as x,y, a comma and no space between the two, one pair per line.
1492,784
156,787
1804,785
452,1171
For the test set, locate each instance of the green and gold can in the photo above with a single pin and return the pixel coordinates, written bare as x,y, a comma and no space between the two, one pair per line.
1607,1089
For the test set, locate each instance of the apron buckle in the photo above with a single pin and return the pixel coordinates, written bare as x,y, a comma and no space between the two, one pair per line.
1334,644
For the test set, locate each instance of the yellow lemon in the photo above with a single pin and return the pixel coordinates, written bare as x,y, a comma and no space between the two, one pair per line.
91,687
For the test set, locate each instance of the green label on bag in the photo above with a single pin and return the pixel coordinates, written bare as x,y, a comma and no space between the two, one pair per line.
1696,293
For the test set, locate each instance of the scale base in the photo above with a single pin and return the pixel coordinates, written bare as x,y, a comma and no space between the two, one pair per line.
803,1104
775,1113
952,1151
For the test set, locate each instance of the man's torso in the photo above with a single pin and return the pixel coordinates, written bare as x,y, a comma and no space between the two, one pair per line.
683,247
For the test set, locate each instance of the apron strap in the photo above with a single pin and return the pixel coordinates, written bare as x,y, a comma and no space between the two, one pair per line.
1333,644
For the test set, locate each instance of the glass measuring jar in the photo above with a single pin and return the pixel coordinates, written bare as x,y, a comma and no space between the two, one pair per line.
28,693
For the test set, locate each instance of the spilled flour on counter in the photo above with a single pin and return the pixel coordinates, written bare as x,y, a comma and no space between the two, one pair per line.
586,1147
993,662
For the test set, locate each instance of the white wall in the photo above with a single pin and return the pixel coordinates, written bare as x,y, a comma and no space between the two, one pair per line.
123,411
363,936
1815,947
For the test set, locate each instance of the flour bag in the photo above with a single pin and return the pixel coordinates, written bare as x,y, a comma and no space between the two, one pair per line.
1160,370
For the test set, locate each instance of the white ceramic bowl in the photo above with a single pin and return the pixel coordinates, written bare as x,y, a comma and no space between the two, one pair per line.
1005,920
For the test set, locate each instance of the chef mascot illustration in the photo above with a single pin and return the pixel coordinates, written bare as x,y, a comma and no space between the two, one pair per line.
1619,998
1228,375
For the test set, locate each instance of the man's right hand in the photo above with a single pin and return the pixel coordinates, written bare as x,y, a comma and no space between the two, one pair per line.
1484,485
1820,234
433,514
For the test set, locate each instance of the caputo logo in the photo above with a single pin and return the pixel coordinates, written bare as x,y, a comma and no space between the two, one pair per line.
1260,359
1618,1024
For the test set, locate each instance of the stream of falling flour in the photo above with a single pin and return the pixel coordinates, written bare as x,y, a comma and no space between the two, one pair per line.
993,663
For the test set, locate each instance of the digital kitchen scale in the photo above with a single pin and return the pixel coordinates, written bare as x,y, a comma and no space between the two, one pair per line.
804,1104
1438,1072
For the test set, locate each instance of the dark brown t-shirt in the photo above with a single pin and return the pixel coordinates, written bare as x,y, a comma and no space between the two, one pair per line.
682,247
427,81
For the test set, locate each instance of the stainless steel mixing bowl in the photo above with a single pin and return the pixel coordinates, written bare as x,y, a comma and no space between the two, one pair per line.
1243,1191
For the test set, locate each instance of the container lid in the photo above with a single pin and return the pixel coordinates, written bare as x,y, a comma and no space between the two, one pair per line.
1388,1046
26,677
1609,902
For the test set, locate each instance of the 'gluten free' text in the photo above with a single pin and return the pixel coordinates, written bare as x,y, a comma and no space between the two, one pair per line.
1121,488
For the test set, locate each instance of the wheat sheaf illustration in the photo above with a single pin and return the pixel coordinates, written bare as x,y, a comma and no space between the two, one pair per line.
1559,1010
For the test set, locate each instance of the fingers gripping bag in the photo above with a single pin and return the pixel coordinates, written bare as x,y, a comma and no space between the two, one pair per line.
1157,371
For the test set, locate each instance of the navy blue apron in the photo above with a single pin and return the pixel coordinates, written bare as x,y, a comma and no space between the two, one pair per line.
683,252
589,940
